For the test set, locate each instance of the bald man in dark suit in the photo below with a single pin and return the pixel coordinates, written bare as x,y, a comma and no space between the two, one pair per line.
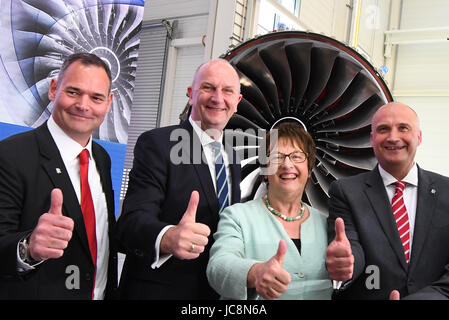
390,243
171,208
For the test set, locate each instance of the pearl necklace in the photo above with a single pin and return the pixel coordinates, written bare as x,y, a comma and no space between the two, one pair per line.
280,215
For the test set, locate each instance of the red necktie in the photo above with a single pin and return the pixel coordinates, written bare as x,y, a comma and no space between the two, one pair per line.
401,217
87,205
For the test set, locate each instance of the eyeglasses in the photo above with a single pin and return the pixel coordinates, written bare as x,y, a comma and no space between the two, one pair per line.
295,157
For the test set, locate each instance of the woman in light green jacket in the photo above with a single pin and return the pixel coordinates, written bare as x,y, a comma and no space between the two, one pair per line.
274,247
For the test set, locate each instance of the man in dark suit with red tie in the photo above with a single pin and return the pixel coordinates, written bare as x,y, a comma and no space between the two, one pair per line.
171,208
389,228
56,198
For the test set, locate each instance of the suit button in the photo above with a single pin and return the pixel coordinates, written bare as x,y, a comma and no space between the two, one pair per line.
88,277
138,252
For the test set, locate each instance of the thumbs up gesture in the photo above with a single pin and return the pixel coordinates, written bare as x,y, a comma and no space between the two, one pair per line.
188,239
269,279
339,258
395,295
53,231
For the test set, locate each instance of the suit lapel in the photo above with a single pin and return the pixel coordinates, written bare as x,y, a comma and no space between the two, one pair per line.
235,178
377,195
235,169
104,169
426,203
54,166
201,168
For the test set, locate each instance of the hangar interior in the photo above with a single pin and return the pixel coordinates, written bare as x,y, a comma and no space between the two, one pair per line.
406,41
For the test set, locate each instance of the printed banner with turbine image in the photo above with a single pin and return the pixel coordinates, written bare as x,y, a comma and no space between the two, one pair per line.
36,36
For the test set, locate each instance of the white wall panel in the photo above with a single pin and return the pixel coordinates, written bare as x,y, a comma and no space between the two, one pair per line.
422,81
424,14
374,20
433,113
189,59
422,70
329,17
157,9
189,27
223,27
341,21
317,15
333,18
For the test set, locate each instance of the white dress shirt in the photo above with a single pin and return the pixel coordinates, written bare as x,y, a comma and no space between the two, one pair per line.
410,194
206,143
69,150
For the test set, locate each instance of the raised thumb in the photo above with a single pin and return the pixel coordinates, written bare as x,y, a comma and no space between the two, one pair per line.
56,202
190,214
340,234
280,254
395,295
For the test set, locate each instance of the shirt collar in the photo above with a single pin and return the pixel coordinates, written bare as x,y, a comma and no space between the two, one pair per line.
68,148
410,178
205,139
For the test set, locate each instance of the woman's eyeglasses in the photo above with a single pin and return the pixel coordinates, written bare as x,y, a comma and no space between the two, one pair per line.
295,157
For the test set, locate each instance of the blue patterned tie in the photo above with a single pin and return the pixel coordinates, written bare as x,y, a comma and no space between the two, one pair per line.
220,173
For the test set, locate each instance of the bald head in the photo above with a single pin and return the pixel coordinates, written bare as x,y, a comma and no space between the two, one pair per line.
212,64
214,94
395,136
393,107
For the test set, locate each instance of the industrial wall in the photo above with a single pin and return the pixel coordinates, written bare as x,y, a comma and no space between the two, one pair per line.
407,37
421,77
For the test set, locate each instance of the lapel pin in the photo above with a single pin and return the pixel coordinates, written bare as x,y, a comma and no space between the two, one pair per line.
58,171
433,191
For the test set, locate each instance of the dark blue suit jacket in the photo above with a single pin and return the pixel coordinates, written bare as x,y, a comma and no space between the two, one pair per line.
363,204
158,193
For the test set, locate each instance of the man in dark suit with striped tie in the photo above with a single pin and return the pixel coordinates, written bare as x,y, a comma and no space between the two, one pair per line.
389,228
181,178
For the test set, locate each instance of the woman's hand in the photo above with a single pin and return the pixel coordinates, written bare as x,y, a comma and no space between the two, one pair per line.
269,279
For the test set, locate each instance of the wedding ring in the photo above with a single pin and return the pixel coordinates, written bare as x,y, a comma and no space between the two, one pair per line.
192,248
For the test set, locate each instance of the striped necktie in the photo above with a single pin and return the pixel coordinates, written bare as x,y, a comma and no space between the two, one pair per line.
401,217
220,173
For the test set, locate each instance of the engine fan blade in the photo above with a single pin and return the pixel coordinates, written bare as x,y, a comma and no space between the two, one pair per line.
322,62
299,60
276,60
254,67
